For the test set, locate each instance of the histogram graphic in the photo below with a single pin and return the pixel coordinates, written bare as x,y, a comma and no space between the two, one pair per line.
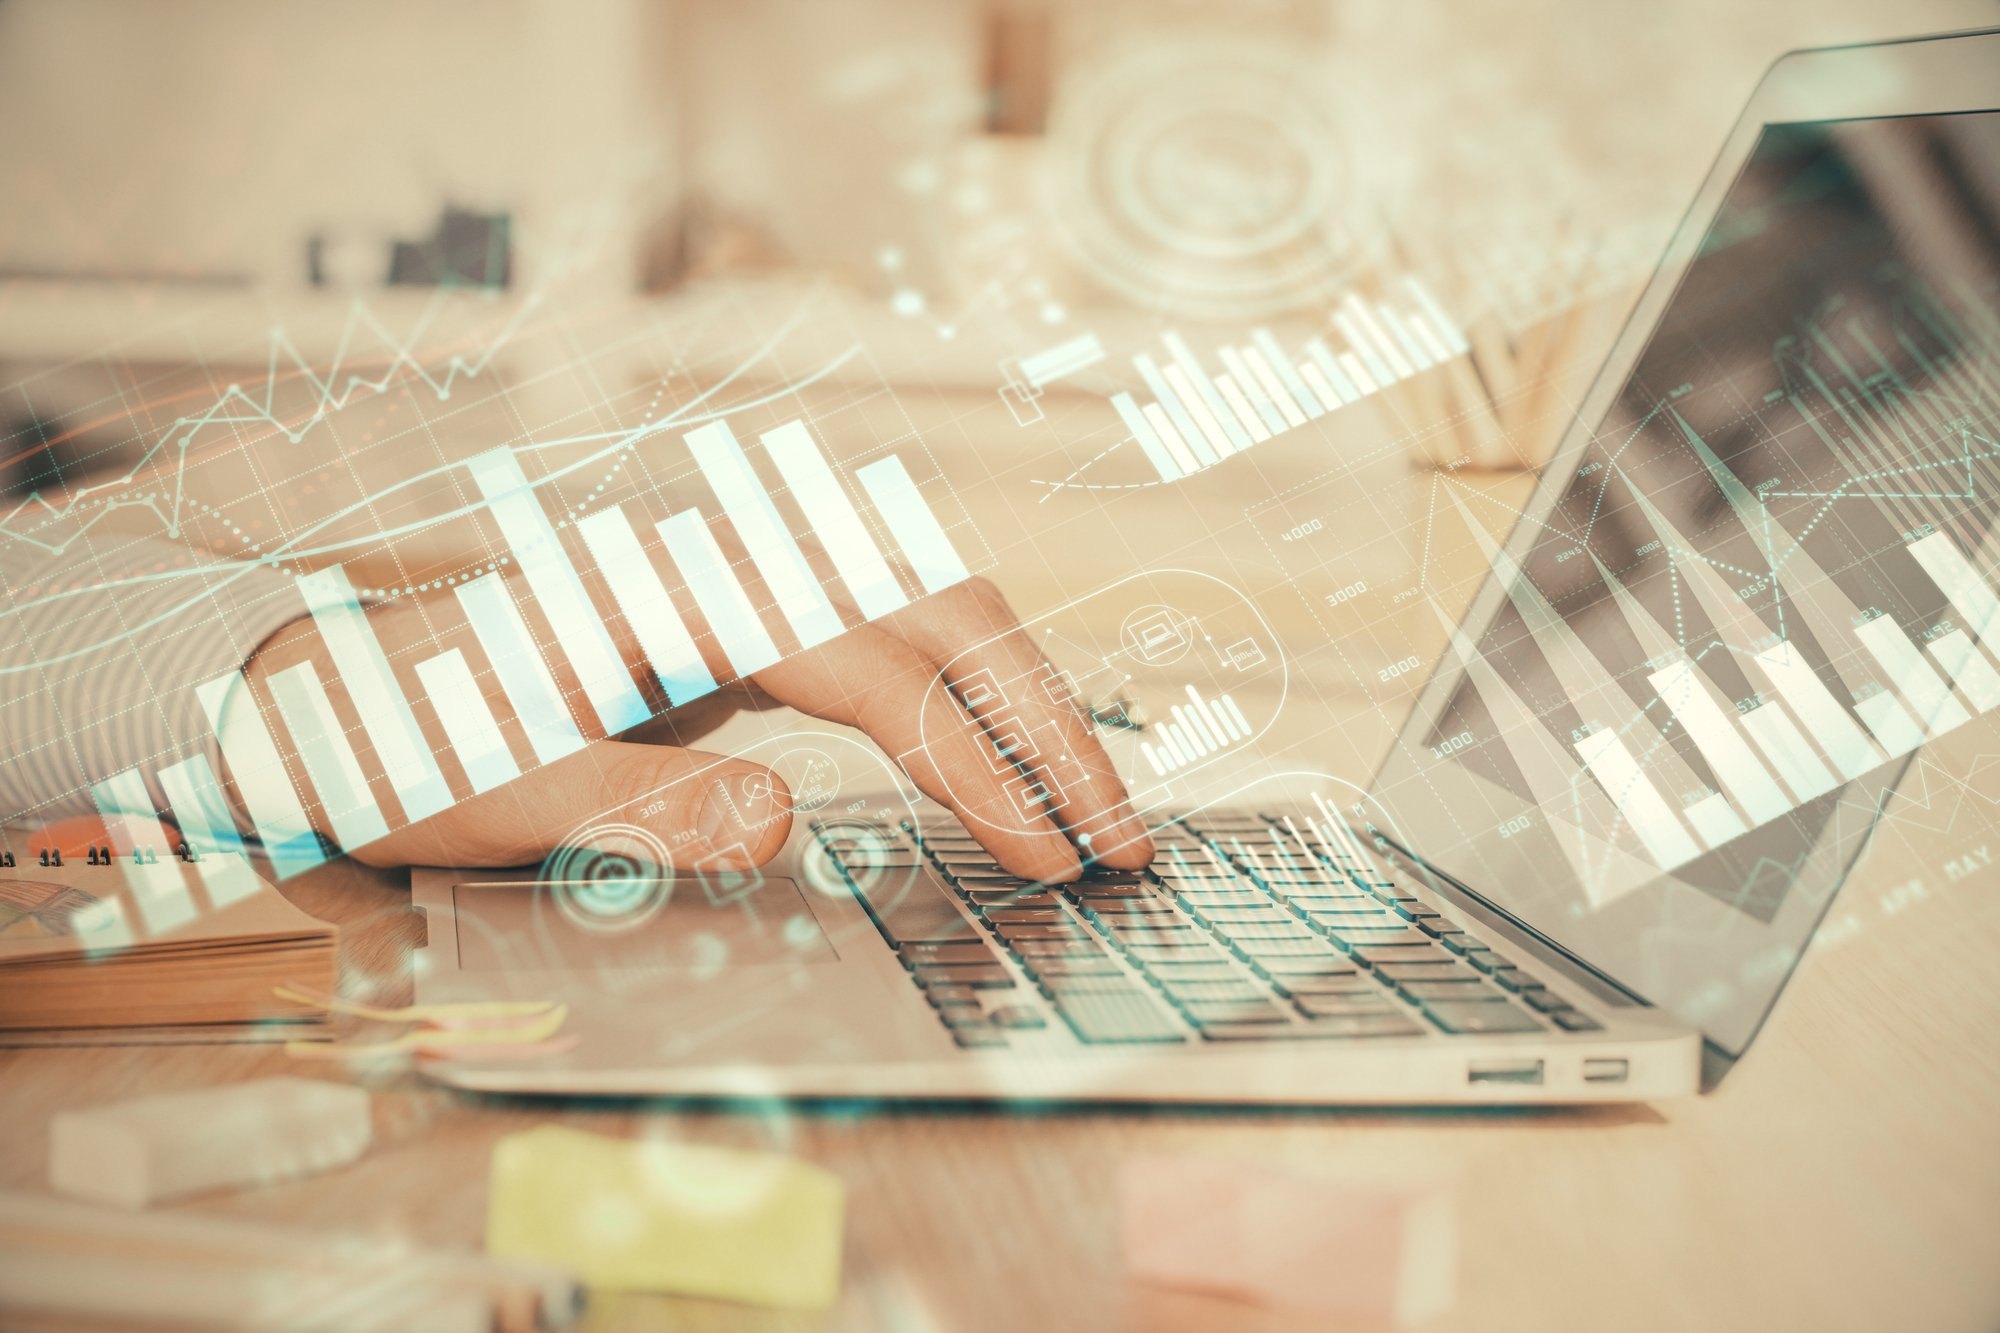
1721,626
1199,728
638,579
1196,419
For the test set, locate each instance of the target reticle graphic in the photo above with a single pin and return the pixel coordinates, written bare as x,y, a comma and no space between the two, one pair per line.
1209,181
610,877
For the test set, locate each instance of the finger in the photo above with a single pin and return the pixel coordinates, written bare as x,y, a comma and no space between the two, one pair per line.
875,681
709,812
968,630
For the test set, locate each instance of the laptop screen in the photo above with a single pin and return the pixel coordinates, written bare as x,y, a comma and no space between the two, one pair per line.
1700,664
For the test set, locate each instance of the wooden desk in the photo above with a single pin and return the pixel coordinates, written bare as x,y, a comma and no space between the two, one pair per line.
1846,1177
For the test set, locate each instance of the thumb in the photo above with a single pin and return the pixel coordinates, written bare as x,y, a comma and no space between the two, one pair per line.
706,811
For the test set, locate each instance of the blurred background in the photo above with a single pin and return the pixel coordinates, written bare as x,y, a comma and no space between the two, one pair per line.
426,226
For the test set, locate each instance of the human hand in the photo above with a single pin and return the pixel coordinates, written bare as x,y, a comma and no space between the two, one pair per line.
881,677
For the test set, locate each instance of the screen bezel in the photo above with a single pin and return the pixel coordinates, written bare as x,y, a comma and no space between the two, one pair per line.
1932,75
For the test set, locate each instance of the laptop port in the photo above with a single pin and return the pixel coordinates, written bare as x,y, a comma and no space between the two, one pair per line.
1527,1072
1605,1070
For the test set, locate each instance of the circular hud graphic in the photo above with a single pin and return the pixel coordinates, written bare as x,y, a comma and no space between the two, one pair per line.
610,877
1207,182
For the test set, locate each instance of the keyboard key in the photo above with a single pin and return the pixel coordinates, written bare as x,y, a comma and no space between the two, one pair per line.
1376,955
1137,937
1427,972
1247,916
1298,987
1479,1016
1110,1019
980,976
1345,917
1455,989
1486,960
923,912
1394,936
1545,1001
1514,979
1274,930
1374,1001
1208,898
940,996
1073,967
913,954
1076,947
1016,934
1024,916
979,1036
1200,951
1238,990
1310,948
1071,983
1227,1013
961,1015
1572,1021
1189,973
1013,898
1337,1026
1111,892
1018,1016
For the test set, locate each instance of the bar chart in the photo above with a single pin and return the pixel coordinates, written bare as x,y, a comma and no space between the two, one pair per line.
1026,377
297,755
1200,728
1195,419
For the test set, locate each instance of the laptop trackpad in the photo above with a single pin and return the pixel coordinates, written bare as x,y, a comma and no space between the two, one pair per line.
526,925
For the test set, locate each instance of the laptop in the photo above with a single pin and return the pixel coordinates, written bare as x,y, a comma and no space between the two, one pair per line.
1755,579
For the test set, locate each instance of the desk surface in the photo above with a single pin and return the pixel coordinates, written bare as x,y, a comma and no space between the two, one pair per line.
1846,1175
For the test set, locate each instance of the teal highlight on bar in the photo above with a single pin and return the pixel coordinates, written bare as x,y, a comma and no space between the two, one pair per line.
156,883
1212,396
559,591
1149,440
1170,402
1253,389
329,760
524,676
468,723
748,507
730,615
209,829
261,779
915,528
649,612
833,517
378,699
1288,376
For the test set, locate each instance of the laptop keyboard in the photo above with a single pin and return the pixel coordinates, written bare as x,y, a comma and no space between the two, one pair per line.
1242,930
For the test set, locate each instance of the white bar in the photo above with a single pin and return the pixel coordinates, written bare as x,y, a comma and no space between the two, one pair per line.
1928,695
468,723
158,886
378,700
1063,359
1441,321
1149,439
1736,766
1195,730
328,758
1247,385
1240,405
1825,720
730,615
1175,446
833,517
600,667
1211,717
1152,757
749,510
1317,382
1956,578
1182,755
523,675
911,522
261,780
1323,358
1363,384
1715,819
1228,703
1795,760
649,612
1204,391
1165,395
209,830
1890,722
1968,668
1275,357
1653,821
1433,344
1399,365
1404,339
1273,387
1210,424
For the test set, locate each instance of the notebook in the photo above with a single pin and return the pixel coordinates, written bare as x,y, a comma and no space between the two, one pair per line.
76,953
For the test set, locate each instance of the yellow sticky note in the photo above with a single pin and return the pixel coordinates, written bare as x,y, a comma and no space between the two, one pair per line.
645,1215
